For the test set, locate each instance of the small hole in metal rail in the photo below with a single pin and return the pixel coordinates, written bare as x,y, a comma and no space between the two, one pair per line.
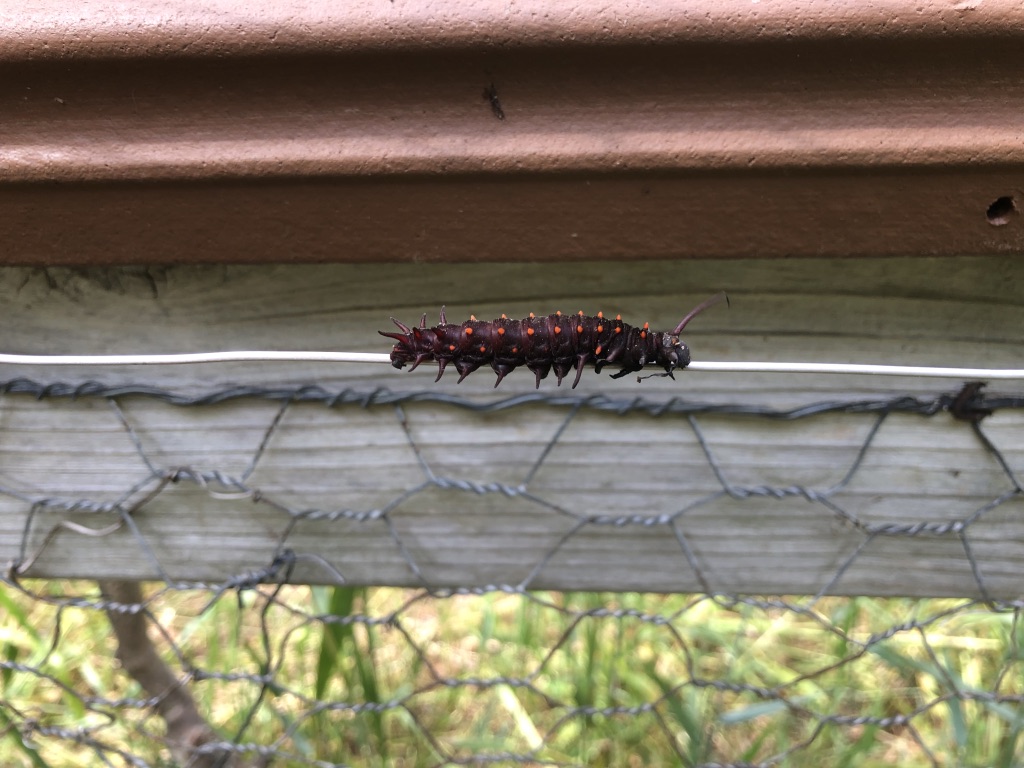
1001,211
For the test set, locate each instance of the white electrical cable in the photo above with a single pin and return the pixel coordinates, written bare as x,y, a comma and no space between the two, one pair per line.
856,368
374,357
198,357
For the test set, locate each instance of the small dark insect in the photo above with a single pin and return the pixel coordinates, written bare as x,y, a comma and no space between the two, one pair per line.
557,342
491,96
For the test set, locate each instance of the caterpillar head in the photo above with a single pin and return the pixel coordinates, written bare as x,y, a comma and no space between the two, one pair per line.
673,353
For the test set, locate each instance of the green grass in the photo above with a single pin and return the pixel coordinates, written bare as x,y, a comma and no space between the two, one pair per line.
590,679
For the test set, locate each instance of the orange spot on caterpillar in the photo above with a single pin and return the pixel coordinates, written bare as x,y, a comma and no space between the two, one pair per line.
618,330
558,329
598,350
601,315
580,313
469,331
529,331
472,317
532,315
579,329
618,317
501,331
451,347
514,350
647,326
483,348
643,334
600,329
504,316
558,313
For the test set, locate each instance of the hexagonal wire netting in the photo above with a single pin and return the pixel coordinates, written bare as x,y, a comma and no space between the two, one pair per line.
259,669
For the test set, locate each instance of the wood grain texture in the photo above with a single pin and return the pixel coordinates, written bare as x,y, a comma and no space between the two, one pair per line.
614,500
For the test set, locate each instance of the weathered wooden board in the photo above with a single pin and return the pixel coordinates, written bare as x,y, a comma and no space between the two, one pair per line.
629,502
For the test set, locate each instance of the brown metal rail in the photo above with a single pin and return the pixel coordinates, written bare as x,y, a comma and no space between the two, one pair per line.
269,131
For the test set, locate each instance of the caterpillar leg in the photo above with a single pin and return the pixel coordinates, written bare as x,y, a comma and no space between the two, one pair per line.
541,370
502,371
465,367
581,360
630,368
422,357
562,369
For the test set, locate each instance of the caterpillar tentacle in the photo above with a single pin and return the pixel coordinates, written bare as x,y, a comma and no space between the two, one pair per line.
556,342
717,298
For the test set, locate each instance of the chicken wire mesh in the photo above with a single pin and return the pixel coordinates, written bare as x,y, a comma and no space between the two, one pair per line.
258,668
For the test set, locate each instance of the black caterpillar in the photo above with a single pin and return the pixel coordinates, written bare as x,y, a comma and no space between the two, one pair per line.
556,342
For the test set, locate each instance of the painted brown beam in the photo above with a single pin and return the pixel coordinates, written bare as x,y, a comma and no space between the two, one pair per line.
49,29
259,132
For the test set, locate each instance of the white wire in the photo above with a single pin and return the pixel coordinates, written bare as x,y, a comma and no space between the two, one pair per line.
375,357
198,357
857,368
